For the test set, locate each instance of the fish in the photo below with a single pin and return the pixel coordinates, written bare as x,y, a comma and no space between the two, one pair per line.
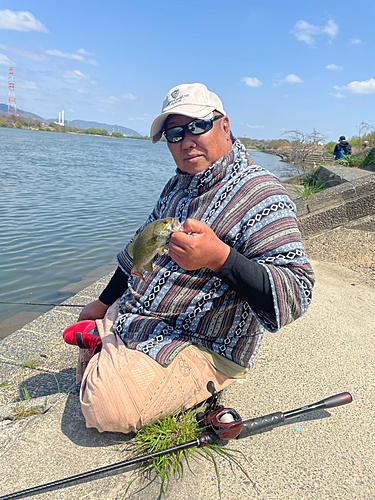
150,241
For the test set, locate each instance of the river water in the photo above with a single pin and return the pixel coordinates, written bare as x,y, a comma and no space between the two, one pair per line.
69,203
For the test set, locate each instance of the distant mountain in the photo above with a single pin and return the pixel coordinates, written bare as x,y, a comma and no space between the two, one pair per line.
82,124
21,112
117,128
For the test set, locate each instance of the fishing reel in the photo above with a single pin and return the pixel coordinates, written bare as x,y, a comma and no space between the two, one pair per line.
226,423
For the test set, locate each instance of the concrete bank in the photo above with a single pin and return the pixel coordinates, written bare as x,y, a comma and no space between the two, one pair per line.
326,454
351,196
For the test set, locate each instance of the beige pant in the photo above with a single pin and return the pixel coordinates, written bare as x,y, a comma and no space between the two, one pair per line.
122,388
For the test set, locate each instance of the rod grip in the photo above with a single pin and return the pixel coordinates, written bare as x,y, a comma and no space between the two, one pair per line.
255,424
338,400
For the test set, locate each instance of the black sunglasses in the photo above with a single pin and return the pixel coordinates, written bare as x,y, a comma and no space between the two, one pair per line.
195,127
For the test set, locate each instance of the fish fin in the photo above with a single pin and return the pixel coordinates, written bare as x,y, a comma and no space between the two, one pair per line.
130,250
151,242
137,274
148,267
131,246
163,250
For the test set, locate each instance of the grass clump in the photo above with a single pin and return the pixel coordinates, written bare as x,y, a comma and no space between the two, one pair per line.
171,431
311,184
30,363
362,161
20,410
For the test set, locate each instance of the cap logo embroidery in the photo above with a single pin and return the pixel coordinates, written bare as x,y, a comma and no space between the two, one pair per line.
175,100
174,94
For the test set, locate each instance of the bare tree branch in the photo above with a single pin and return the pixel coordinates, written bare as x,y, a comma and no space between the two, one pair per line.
302,148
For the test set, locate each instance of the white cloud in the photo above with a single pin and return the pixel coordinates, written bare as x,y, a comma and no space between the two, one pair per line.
305,32
144,118
5,61
339,95
254,126
128,96
365,87
58,53
23,53
76,56
251,82
332,66
331,29
288,79
112,99
354,41
20,21
28,85
83,52
293,79
356,87
77,76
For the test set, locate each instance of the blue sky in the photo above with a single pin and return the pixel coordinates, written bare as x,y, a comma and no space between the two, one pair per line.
275,65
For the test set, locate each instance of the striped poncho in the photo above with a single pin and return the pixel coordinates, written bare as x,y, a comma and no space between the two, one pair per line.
249,209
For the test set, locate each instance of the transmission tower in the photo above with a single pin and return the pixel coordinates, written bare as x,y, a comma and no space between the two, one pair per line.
12,108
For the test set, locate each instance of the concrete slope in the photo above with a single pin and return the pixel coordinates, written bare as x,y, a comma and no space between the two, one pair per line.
325,454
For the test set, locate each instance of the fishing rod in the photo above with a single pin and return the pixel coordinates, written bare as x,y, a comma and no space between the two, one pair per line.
40,304
224,423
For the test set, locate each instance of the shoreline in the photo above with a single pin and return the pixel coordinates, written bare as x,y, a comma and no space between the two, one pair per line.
18,321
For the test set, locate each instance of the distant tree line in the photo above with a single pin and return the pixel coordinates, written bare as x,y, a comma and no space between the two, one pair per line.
31,124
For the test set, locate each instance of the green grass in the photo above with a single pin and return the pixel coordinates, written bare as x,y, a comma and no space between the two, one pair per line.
20,410
358,161
311,184
171,431
30,363
5,383
57,383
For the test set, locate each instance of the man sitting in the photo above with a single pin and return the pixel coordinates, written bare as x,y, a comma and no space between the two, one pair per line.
235,268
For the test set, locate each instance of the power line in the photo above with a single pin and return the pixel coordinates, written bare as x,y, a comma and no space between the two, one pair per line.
39,304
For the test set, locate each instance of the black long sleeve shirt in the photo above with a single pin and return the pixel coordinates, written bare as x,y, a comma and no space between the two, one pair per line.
246,277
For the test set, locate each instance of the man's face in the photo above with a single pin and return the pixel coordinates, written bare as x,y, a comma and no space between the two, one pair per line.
196,153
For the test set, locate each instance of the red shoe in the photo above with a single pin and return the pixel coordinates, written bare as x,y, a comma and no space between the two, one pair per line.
84,334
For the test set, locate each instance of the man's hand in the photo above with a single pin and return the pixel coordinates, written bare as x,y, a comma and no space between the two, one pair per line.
94,310
197,246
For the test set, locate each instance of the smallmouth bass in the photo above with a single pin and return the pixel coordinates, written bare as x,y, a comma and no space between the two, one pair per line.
150,241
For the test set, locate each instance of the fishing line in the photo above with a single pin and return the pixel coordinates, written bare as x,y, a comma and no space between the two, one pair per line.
39,304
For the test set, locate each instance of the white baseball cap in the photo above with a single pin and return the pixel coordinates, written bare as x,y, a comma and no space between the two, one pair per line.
189,99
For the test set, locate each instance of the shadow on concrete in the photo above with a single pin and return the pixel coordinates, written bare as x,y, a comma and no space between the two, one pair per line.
74,427
46,383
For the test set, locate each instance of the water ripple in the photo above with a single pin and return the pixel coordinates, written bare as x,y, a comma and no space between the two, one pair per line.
68,204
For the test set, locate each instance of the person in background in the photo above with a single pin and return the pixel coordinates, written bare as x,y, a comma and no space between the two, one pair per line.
365,145
342,149
236,268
